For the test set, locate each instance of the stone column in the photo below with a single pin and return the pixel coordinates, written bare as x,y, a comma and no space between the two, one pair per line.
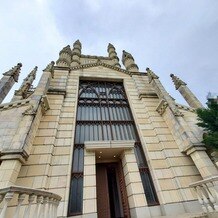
89,185
22,92
64,59
135,192
113,55
187,94
76,53
128,62
202,161
8,80
9,171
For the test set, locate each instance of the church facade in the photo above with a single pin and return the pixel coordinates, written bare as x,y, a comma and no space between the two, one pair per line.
96,140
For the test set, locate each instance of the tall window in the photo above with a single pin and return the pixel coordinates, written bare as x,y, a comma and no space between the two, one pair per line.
103,113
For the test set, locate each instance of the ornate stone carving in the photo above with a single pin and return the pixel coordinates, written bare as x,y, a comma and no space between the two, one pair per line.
162,106
151,75
27,83
14,72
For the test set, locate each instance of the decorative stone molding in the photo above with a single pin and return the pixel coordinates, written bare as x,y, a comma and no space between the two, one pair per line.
194,147
14,72
54,91
14,104
187,108
162,106
14,154
95,57
29,111
95,145
100,64
147,95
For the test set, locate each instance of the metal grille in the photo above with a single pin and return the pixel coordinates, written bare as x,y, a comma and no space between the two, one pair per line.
103,113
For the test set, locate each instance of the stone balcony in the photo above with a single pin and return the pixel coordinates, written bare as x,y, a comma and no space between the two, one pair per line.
17,202
207,193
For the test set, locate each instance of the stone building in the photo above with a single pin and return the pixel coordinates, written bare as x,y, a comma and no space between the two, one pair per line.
97,140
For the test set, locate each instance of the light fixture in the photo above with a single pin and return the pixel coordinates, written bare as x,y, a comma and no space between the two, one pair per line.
100,152
99,156
114,155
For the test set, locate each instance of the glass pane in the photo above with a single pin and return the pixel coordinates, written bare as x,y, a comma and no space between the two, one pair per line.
148,188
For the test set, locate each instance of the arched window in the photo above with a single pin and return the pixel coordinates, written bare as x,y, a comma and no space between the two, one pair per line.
103,113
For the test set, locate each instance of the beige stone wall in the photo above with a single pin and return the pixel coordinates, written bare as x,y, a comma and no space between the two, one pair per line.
172,171
49,165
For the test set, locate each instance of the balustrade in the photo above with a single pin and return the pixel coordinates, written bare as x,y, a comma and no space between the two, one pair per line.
27,202
207,194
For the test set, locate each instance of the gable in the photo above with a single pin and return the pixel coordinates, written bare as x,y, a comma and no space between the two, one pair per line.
101,70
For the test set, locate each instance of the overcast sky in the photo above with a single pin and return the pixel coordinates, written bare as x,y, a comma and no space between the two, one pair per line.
168,36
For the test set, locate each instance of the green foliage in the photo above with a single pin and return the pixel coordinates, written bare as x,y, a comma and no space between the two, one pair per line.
208,120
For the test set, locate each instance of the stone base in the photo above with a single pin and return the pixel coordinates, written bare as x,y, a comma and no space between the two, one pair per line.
88,215
140,212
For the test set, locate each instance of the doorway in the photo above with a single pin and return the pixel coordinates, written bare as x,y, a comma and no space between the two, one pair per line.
112,199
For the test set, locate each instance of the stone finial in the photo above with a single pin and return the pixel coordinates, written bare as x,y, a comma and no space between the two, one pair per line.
113,55
50,68
151,75
110,46
66,49
76,53
14,72
77,43
125,56
128,62
27,82
177,81
65,56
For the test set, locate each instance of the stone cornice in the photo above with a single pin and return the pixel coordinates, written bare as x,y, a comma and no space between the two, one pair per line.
147,95
54,91
95,57
187,108
99,63
14,104
194,147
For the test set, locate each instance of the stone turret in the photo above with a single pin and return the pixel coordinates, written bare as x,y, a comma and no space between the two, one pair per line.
128,62
8,80
113,55
22,92
64,57
76,53
186,92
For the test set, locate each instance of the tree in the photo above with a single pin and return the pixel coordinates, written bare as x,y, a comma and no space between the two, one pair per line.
208,120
